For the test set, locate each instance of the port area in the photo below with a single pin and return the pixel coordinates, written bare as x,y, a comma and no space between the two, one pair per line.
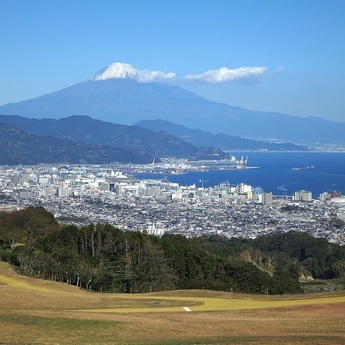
182,166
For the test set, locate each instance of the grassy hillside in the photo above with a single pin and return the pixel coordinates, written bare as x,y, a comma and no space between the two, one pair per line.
37,311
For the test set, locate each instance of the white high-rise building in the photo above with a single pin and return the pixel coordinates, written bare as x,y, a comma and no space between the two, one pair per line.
62,192
303,195
265,198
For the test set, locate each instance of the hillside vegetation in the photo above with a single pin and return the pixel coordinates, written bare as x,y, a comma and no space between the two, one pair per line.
22,147
83,139
102,258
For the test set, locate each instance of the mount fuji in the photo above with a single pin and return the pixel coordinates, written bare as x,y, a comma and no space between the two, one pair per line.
116,70
119,94
122,94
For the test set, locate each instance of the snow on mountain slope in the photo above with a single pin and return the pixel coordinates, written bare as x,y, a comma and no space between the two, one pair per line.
116,70
119,70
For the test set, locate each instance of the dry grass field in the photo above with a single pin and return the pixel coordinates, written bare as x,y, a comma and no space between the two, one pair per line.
35,311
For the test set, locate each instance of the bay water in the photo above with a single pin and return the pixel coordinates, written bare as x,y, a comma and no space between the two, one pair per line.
281,173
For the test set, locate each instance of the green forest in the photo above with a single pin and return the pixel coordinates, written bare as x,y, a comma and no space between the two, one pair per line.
100,257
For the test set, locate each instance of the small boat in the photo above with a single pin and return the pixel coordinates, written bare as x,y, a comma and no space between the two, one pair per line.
304,168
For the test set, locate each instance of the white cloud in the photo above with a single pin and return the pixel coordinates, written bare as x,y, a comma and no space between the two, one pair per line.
280,70
226,75
145,76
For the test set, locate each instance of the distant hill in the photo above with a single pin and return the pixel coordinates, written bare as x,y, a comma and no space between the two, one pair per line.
95,132
119,97
224,141
21,147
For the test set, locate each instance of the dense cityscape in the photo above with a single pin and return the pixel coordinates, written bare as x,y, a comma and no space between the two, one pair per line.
111,194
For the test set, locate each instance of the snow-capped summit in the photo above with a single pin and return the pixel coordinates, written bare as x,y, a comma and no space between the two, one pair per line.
116,70
119,70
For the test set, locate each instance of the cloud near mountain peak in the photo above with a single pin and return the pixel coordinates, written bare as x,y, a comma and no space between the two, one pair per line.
218,76
146,76
226,75
222,75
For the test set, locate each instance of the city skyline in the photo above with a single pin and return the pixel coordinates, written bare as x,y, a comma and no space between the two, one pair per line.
281,56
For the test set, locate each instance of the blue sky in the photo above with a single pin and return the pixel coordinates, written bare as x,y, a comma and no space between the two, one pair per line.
271,55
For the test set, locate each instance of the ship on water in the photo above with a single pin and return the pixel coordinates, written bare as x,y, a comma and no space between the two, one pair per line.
304,168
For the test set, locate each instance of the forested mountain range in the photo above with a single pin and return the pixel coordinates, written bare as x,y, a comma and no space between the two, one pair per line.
103,258
224,141
21,147
157,138
78,139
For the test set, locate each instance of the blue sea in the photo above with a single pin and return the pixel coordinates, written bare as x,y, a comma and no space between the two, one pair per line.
273,172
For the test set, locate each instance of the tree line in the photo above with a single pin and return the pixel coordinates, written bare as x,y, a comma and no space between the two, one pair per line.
101,257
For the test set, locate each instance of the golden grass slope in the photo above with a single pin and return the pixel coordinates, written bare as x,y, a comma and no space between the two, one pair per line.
35,311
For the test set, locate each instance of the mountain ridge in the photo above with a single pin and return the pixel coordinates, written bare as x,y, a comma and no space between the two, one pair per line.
87,130
21,147
225,142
